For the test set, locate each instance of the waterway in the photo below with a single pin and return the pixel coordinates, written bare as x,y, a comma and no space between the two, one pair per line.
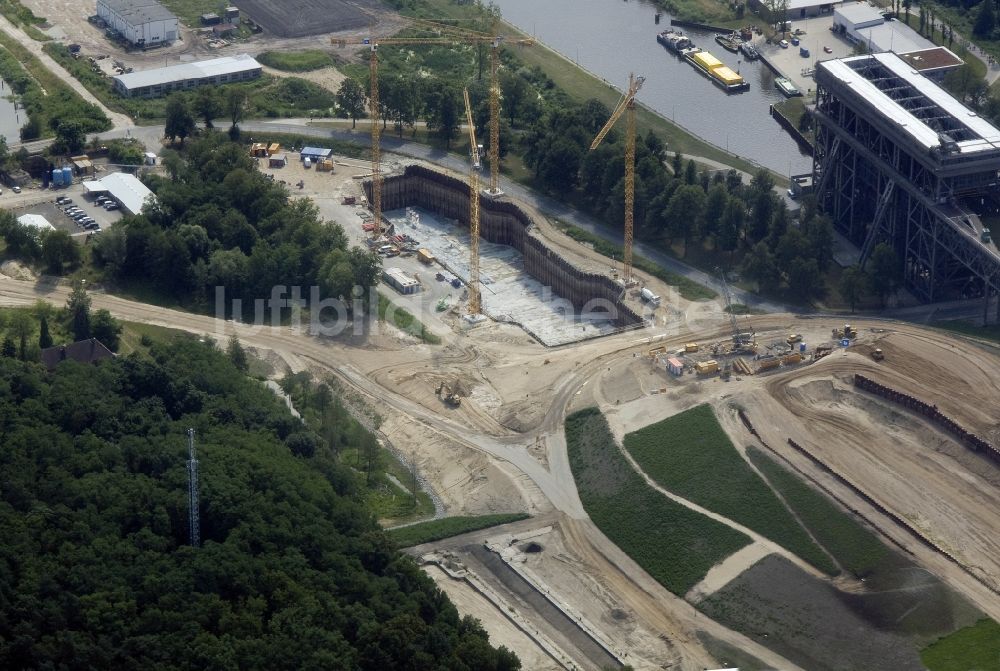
11,117
611,38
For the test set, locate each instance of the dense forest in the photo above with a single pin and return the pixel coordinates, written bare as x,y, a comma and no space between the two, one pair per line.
218,221
96,570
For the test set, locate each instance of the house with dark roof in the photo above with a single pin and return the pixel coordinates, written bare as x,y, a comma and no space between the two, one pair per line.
84,351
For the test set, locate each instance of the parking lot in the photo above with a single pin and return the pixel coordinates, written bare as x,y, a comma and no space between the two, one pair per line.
57,217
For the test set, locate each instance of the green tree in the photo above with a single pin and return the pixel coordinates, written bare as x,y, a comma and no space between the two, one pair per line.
9,349
59,251
44,337
685,212
70,137
179,123
237,355
107,329
985,21
445,113
715,207
854,285
78,311
886,271
207,105
21,326
352,99
731,224
759,266
691,172
804,278
559,170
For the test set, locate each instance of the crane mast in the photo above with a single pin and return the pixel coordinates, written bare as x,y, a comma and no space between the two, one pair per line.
447,35
626,106
194,507
475,297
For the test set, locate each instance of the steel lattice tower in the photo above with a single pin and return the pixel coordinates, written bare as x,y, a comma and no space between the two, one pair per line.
194,514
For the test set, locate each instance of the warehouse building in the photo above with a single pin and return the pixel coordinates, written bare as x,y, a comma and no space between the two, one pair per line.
161,81
130,194
144,23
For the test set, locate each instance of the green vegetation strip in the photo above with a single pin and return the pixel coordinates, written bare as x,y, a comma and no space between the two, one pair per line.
404,321
435,530
854,547
691,455
672,543
991,332
296,61
688,289
48,100
972,648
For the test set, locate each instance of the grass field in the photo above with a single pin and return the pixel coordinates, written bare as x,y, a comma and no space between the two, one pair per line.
688,289
854,547
690,455
673,544
975,648
435,530
296,61
991,332
404,321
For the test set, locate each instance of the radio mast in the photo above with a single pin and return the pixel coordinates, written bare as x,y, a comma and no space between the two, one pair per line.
194,514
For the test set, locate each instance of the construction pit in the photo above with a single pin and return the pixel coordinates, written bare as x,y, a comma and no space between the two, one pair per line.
523,280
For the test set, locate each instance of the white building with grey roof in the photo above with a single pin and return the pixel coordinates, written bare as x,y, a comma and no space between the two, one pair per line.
144,23
161,81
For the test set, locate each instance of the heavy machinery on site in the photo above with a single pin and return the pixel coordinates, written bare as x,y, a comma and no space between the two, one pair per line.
448,396
474,295
878,354
848,333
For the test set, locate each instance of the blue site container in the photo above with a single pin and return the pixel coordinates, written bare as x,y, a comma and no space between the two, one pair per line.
67,175
802,347
57,177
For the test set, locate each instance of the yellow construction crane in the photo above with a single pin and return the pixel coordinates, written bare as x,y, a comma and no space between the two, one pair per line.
474,296
448,35
627,104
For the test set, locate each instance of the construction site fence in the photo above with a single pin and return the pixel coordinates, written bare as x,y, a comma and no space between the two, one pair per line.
931,412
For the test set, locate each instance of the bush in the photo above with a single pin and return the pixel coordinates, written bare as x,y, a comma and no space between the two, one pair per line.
295,61
435,530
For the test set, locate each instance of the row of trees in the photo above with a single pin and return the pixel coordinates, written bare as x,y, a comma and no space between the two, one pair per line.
293,571
27,331
219,222
208,104
55,250
677,203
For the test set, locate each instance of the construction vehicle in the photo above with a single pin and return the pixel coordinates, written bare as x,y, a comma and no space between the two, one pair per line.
848,332
449,397
878,354
743,341
446,35
626,104
474,296
821,351
793,338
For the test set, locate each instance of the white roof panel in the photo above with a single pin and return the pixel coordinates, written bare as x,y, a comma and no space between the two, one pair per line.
127,190
185,71
921,132
859,13
35,221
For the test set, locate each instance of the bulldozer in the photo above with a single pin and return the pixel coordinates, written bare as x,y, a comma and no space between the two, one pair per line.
878,354
449,397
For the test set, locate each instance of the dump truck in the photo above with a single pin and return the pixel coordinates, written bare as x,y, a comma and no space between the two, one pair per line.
425,256
794,338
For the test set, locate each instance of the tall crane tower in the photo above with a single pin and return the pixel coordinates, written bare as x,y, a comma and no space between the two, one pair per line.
626,106
194,512
741,339
447,35
475,296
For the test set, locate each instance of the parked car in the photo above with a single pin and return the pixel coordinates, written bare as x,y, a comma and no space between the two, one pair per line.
60,200
783,44
111,206
16,189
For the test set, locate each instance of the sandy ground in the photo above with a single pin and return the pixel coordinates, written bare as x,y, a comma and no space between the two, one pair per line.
502,631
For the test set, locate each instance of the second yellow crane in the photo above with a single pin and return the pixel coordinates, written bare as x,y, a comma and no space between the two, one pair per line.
475,297
627,104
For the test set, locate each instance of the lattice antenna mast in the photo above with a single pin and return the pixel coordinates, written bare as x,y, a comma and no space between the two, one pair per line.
194,512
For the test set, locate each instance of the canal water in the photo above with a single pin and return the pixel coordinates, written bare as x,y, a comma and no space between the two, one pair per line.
611,38
11,119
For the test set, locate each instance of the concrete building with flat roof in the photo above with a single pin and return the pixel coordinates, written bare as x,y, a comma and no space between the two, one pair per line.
161,81
400,281
799,9
143,23
899,160
863,24
933,63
